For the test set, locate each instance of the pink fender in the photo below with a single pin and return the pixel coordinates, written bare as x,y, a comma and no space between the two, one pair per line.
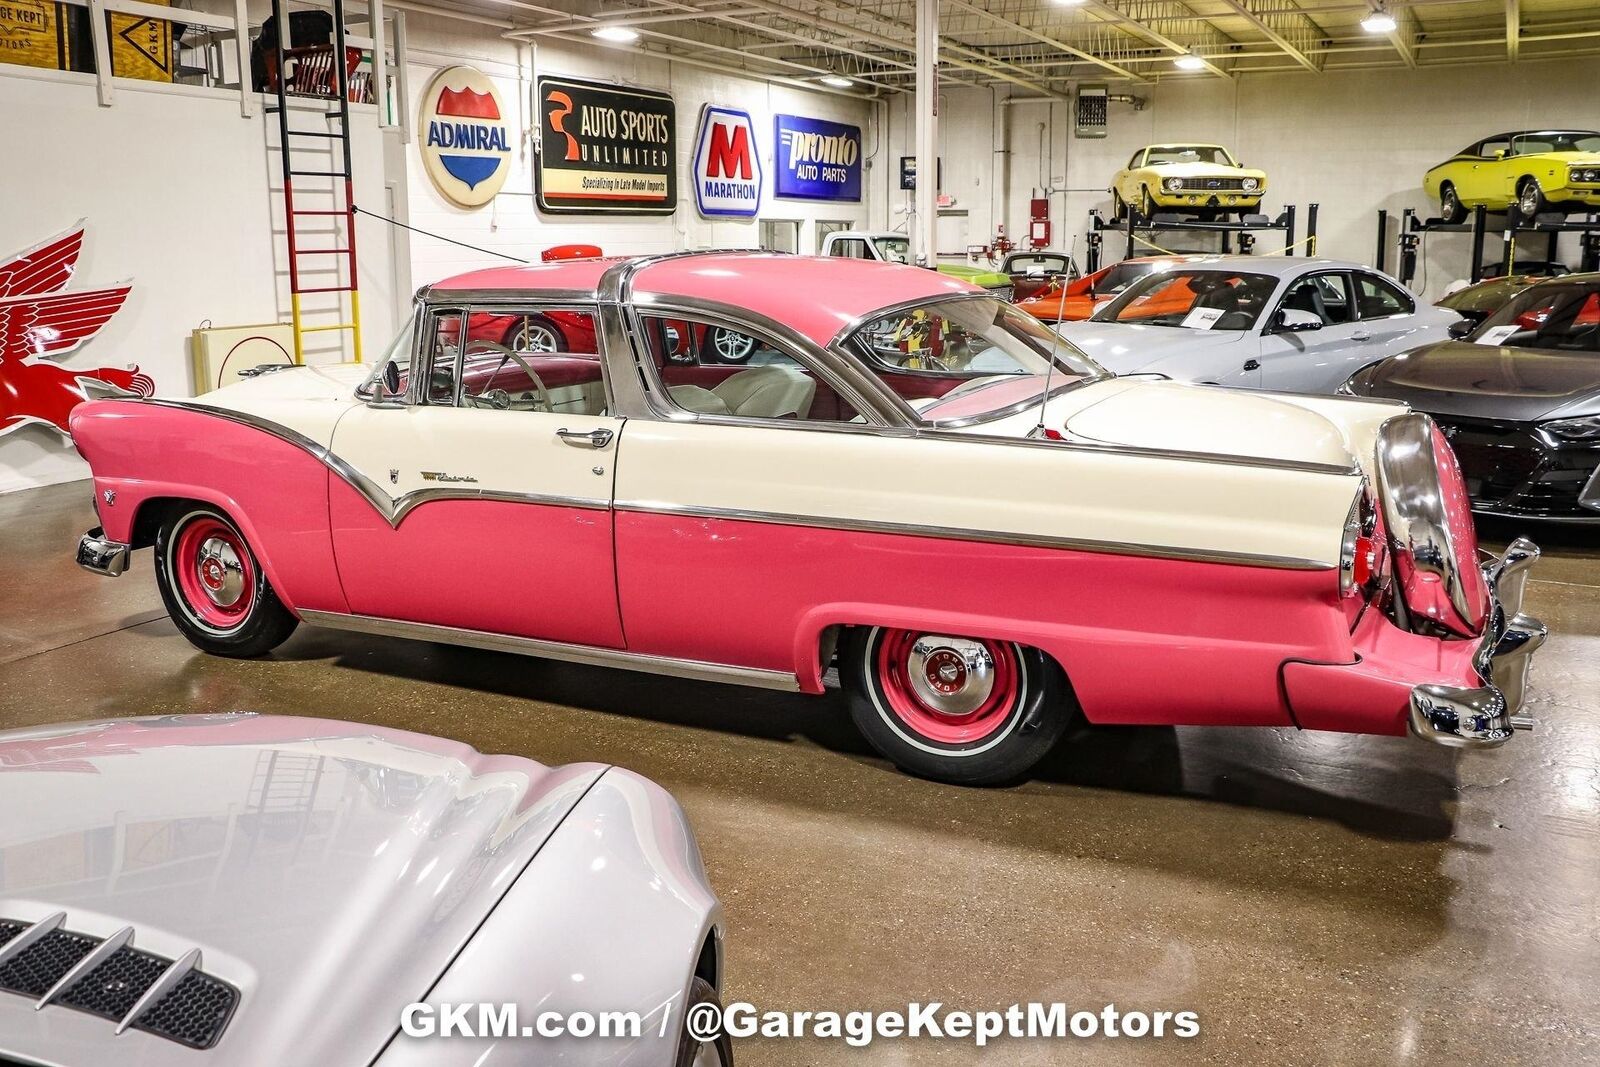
274,491
1143,640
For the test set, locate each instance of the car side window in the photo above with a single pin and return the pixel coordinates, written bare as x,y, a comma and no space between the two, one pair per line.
711,369
850,248
1492,149
1133,164
510,358
1323,295
1378,298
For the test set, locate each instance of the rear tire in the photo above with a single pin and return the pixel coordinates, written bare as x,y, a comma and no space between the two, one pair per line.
694,1053
214,587
968,711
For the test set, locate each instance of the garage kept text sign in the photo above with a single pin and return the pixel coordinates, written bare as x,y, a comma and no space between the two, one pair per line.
606,149
817,159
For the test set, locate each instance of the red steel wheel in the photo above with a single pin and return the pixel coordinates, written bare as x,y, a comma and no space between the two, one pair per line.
969,710
214,586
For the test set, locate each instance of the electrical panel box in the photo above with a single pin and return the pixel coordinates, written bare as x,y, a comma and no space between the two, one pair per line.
1039,222
1093,106
221,352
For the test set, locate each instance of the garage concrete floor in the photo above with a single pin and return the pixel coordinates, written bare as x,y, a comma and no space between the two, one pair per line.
1316,898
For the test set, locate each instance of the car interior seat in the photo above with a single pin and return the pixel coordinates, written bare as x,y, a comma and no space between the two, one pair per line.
768,392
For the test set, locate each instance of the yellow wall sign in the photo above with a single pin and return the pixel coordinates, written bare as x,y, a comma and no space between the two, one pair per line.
33,34
141,48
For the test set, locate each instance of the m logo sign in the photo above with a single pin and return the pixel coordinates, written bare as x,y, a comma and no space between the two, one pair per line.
727,168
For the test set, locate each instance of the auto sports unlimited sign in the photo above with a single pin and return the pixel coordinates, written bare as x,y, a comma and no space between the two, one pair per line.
818,159
606,149
727,170
466,144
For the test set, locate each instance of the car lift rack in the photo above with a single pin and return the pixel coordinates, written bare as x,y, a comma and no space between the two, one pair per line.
1551,224
1240,236
320,71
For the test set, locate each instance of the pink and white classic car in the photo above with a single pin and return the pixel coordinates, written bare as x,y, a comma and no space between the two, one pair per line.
986,543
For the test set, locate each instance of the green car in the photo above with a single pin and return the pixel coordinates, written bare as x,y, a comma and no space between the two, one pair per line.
896,248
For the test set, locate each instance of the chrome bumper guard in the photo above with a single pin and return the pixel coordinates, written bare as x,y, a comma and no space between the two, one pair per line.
101,556
1486,716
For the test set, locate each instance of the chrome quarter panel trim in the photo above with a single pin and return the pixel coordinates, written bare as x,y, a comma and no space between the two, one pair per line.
1412,497
529,646
1080,445
986,536
393,509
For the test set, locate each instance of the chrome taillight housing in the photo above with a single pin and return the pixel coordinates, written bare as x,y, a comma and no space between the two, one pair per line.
1363,557
1440,585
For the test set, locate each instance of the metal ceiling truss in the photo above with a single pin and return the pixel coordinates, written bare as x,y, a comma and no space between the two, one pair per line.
1039,48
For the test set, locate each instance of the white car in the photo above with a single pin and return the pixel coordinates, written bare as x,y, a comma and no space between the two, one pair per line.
1254,322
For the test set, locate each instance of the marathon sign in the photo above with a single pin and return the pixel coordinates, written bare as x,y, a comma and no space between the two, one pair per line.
727,168
818,159
605,149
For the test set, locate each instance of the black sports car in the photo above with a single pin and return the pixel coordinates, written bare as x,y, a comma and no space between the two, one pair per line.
1518,395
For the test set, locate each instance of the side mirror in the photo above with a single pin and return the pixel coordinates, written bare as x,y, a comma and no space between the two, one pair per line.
1460,330
391,378
1499,153
1295,320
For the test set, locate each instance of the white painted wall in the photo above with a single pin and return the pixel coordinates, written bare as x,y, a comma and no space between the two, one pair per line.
513,225
1354,142
179,193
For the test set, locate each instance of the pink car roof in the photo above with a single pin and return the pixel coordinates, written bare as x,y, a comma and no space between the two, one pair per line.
815,296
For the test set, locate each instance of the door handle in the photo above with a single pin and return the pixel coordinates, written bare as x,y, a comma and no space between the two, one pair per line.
1252,364
592,438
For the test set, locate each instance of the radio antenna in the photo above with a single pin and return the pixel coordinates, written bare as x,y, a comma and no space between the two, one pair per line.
1055,346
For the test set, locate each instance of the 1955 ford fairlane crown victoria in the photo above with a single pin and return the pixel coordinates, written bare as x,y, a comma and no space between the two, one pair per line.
986,543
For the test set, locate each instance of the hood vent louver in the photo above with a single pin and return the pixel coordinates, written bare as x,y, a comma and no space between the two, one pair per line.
108,977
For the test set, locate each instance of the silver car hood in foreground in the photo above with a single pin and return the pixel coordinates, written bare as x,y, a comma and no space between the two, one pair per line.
330,871
1131,348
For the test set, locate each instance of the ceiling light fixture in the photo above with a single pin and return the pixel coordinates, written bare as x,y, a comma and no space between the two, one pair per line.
1189,61
1069,3
837,81
1379,21
616,34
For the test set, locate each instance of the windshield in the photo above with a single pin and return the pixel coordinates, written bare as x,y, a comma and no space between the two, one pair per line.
1193,300
893,249
1556,141
1123,275
1189,154
399,353
1563,318
970,359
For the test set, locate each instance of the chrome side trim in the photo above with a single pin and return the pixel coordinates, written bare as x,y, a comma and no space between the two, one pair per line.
19,944
530,296
392,508
165,984
697,670
1141,452
1116,548
96,956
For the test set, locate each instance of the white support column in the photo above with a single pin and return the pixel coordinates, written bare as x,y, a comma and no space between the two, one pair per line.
380,62
402,89
102,51
924,236
241,45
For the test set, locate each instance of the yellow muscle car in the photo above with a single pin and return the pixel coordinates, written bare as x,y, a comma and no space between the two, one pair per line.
1533,171
1203,179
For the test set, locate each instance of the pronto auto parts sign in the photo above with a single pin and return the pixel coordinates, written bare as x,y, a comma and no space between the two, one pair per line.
466,144
818,159
605,149
727,168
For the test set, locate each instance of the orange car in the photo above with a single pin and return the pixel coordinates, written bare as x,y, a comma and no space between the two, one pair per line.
1077,300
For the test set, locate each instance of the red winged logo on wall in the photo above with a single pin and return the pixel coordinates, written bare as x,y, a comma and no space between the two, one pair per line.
41,321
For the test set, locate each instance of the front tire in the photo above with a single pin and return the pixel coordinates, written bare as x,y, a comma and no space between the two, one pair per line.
1530,199
694,1053
214,587
1147,204
969,711
1451,209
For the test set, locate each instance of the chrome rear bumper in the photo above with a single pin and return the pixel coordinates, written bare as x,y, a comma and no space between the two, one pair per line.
101,556
1486,715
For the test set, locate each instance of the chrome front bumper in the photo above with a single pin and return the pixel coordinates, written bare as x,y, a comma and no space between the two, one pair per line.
1486,715
101,556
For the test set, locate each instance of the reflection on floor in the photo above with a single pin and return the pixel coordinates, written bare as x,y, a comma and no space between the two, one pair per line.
1349,900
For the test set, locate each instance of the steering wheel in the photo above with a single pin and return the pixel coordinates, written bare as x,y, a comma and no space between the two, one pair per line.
503,400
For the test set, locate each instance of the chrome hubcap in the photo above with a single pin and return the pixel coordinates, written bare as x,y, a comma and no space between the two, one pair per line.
221,575
950,675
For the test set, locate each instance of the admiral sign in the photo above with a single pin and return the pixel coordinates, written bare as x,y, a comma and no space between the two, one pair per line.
466,143
818,159
606,149
727,170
